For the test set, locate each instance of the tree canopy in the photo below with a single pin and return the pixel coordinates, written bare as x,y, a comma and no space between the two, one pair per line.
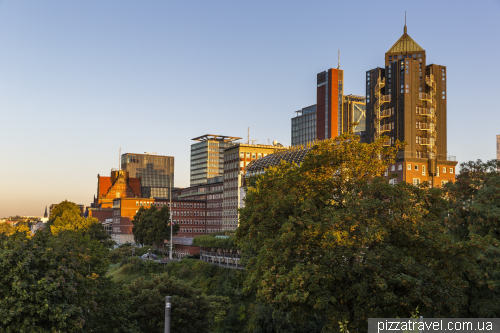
332,237
67,217
68,207
189,308
49,282
152,226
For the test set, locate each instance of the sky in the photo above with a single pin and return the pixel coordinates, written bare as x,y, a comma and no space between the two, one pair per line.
81,79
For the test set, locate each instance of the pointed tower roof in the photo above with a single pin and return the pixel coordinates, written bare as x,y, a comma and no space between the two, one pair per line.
405,44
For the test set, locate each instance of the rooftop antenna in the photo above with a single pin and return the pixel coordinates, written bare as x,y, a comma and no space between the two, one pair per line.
405,21
338,67
253,141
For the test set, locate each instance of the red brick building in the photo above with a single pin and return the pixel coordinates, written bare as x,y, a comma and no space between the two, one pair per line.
210,193
118,185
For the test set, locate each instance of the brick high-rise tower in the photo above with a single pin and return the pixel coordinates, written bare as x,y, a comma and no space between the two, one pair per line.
329,96
406,100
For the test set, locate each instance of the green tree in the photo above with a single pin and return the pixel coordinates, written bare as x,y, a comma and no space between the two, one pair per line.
152,226
189,308
67,217
6,229
49,283
64,207
332,238
474,213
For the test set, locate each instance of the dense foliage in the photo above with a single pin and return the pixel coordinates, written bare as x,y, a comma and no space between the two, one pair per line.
224,242
325,242
49,282
189,310
152,226
332,238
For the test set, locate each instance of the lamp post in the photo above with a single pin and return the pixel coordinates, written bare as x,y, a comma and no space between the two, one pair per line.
168,308
171,221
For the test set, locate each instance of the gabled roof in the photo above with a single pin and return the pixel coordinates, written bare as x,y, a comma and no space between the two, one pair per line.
405,44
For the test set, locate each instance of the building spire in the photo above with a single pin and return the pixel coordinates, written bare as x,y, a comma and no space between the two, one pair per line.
405,21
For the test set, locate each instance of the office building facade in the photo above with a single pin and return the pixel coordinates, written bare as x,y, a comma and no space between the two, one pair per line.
156,173
329,99
304,126
236,158
332,114
406,101
209,193
207,157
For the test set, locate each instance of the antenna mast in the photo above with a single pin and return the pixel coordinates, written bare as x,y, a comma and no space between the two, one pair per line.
405,21
338,67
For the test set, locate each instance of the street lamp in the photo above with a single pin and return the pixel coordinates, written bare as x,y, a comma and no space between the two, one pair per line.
171,221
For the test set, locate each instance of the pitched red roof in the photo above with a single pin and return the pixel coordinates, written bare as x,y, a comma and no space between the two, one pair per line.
104,186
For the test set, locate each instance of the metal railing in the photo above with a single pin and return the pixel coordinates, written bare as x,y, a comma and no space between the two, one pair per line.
383,99
430,155
427,126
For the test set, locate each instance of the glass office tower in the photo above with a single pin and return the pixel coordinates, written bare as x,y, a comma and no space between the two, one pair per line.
156,172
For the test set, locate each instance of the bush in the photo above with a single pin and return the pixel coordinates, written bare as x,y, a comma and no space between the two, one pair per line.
212,241
119,254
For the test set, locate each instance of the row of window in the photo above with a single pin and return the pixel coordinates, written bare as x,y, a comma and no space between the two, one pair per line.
416,182
400,56
417,167
195,230
175,204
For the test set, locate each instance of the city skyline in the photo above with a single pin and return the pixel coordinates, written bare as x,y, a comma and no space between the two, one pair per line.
81,80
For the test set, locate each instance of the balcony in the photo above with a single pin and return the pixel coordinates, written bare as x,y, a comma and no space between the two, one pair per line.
427,142
384,114
427,127
426,112
384,128
387,143
428,98
383,99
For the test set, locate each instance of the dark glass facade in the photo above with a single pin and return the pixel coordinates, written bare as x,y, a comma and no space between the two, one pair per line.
156,172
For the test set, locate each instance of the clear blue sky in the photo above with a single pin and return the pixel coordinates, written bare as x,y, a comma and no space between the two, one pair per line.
80,79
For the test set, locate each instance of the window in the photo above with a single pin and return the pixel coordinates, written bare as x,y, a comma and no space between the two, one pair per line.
451,170
393,181
400,56
248,155
420,55
416,181
443,182
437,172
241,164
407,72
242,155
137,203
253,155
386,172
416,167
400,166
423,170
407,91
393,167
408,166
259,155
390,57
